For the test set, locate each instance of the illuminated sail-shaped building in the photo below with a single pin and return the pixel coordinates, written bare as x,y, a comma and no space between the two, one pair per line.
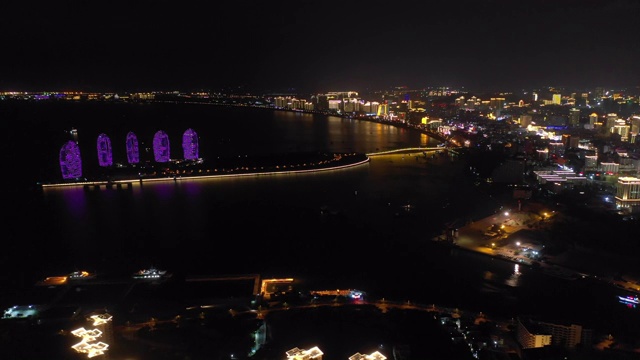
161,150
70,161
190,144
105,156
133,154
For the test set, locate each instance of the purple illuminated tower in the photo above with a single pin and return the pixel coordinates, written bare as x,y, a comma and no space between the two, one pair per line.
190,144
133,155
105,157
161,146
70,162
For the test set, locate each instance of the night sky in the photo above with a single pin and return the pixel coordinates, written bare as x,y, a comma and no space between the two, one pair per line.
315,46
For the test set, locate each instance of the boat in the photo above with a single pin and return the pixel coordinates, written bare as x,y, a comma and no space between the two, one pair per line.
151,273
80,275
629,299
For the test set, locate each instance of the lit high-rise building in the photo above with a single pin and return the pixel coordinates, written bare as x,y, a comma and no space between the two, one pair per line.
591,162
297,104
622,130
105,155
376,355
335,104
383,109
133,153
161,149
610,167
351,105
566,335
574,117
525,120
497,103
585,99
530,335
281,102
374,107
302,354
556,148
536,334
628,193
190,144
70,160
599,94
635,124
611,121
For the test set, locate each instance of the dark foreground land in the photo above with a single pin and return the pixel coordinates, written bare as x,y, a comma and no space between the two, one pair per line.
177,319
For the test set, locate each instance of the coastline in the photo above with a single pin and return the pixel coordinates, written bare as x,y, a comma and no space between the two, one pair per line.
509,246
281,164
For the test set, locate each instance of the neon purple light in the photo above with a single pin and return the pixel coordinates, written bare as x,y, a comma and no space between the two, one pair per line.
70,161
133,155
161,150
105,157
190,144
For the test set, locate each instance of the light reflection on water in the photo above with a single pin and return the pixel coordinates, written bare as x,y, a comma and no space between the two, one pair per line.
514,278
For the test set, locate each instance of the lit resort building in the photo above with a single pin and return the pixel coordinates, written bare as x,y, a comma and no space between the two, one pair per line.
628,193
300,354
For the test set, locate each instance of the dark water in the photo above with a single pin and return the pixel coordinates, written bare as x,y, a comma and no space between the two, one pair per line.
334,229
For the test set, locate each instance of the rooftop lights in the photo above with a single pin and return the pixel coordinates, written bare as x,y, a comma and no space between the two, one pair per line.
91,349
87,335
300,354
100,319
376,355
89,344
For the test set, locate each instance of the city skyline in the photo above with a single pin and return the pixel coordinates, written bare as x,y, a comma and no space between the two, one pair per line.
309,47
383,212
